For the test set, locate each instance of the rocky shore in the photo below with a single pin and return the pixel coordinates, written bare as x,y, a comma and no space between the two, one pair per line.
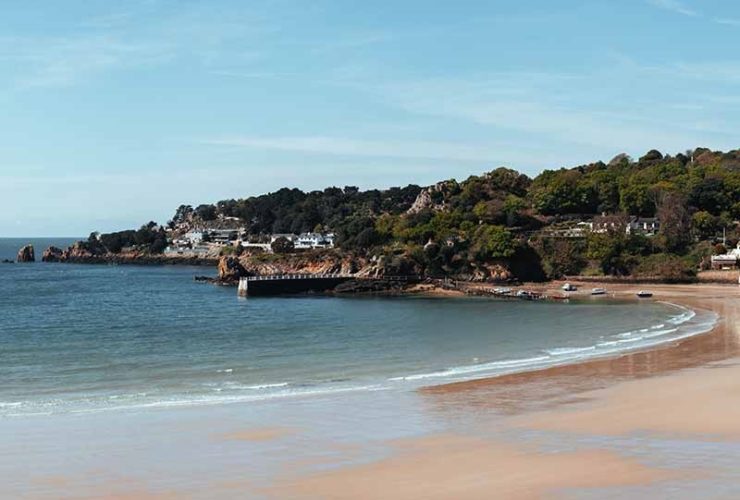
371,272
80,253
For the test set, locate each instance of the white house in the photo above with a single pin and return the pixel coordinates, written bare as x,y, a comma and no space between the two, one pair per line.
647,226
305,241
194,237
728,260
223,236
314,240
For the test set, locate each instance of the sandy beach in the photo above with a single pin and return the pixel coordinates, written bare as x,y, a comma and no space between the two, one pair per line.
688,391
658,423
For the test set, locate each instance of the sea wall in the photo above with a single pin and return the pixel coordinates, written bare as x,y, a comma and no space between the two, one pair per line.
289,286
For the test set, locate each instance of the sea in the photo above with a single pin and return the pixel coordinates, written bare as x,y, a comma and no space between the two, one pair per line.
110,338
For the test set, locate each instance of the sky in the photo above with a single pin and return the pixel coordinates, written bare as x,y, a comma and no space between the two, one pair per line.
115,113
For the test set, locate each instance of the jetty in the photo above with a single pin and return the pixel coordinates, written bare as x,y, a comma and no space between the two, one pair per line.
289,284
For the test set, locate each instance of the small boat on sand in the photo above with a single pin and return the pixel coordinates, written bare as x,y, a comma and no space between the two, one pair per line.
643,294
569,288
598,291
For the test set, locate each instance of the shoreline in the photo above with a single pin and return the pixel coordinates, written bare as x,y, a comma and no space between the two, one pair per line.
631,362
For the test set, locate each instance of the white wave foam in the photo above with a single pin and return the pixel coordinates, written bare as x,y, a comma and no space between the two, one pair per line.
561,351
659,333
236,386
211,400
484,367
266,386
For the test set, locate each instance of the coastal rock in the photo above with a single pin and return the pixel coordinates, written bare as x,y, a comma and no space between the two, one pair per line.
52,254
79,252
433,197
230,269
316,262
26,254
492,272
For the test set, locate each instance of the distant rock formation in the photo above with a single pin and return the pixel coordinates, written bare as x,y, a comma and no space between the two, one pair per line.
52,254
26,254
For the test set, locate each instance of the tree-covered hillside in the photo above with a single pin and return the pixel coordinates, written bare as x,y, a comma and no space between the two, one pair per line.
503,219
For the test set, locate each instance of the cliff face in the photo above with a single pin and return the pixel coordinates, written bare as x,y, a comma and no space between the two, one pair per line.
328,262
26,254
433,197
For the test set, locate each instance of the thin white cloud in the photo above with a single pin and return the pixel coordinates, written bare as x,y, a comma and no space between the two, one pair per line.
132,39
341,146
727,21
61,61
716,71
542,112
674,6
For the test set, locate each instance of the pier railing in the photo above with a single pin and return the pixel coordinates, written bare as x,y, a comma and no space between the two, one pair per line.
267,277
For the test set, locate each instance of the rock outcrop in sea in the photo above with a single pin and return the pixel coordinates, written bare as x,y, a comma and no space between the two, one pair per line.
230,270
52,254
26,254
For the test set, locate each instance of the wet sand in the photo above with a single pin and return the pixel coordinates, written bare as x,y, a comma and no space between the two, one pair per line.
443,467
687,391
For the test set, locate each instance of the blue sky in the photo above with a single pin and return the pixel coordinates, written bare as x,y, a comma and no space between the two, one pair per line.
114,113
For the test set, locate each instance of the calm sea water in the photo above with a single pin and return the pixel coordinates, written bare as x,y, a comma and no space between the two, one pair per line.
79,338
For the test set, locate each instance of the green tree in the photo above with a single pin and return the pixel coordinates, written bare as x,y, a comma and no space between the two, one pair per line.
282,245
493,242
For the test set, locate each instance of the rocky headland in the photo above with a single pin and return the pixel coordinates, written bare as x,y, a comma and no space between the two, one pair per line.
82,253
231,268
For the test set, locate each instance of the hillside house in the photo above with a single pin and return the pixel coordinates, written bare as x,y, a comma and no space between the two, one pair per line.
315,240
646,226
306,241
729,260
